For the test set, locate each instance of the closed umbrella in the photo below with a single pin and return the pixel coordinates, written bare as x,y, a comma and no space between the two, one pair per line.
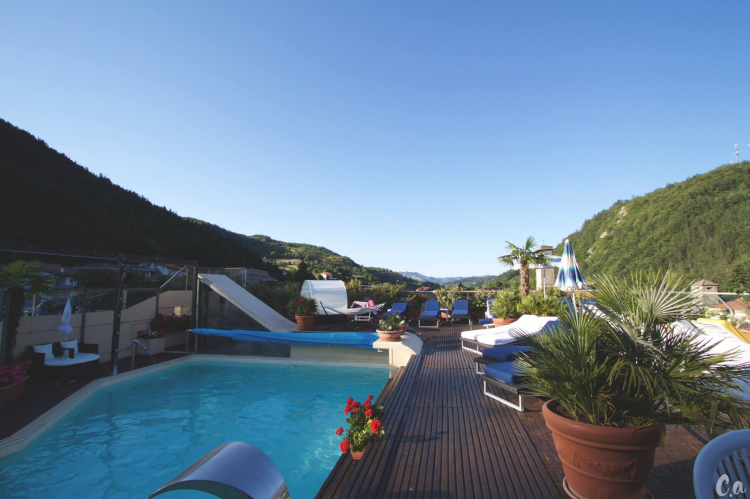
569,277
65,328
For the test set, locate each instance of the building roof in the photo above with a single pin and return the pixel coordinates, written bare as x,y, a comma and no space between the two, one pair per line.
733,304
704,282
56,269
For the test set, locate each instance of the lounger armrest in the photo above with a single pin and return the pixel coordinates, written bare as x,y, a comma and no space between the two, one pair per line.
88,348
485,361
500,384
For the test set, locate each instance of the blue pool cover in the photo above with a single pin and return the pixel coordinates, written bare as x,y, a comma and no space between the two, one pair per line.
356,340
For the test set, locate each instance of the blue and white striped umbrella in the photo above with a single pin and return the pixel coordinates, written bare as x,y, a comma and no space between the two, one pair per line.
569,278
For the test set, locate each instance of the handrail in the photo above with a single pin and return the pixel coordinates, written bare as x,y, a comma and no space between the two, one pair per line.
170,279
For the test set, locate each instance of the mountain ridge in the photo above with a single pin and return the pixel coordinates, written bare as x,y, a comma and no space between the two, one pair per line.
48,199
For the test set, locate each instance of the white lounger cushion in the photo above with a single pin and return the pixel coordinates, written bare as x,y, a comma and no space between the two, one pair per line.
505,337
66,361
45,349
523,322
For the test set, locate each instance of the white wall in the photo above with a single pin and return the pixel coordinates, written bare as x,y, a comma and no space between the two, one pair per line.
43,329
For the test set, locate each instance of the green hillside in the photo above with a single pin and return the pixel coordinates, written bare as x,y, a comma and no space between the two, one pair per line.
700,227
46,198
321,259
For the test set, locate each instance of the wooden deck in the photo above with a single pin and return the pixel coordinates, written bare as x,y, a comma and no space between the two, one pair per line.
444,439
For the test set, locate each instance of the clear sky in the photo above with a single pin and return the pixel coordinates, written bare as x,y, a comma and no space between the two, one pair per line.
409,135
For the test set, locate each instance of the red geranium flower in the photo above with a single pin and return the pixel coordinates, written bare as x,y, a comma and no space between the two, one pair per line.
301,300
356,404
368,413
375,426
344,446
354,409
370,397
347,410
368,404
340,430
349,401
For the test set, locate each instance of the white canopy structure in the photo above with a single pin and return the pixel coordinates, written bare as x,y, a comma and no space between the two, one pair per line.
332,299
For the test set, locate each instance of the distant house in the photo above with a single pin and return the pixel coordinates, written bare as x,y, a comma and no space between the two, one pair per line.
705,286
736,305
326,275
64,277
147,270
423,288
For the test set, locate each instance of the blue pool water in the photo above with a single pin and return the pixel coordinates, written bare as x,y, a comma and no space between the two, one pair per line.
129,439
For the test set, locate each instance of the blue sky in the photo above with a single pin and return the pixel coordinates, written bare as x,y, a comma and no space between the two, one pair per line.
409,135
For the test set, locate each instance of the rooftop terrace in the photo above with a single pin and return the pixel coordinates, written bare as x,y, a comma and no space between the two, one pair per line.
446,440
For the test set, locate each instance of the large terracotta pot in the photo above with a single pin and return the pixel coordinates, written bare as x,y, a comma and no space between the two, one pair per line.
12,392
499,321
602,461
356,456
304,322
389,335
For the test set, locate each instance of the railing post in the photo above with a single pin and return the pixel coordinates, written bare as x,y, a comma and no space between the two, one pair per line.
84,305
114,354
5,312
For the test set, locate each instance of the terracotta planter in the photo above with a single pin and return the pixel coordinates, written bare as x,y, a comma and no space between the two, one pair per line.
499,321
603,461
304,322
389,335
356,456
404,327
155,346
12,392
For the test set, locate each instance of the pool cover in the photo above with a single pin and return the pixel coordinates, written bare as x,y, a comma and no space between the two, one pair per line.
356,340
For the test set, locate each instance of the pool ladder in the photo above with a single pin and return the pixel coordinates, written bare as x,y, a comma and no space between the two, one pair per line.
137,344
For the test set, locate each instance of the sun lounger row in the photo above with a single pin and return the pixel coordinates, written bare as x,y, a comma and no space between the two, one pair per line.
496,367
477,339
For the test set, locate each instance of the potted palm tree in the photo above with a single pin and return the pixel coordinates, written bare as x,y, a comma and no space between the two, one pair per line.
616,379
506,307
22,279
524,256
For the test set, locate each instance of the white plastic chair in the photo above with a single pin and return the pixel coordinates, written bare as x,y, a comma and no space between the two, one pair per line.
722,468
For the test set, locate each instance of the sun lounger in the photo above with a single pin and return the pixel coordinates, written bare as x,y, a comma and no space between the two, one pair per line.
430,312
397,308
477,339
505,353
504,375
461,311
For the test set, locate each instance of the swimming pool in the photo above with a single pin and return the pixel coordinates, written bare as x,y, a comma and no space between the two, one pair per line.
130,438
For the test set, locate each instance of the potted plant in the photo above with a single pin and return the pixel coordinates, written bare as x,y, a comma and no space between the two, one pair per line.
390,328
616,379
477,308
12,381
154,341
304,312
506,307
365,426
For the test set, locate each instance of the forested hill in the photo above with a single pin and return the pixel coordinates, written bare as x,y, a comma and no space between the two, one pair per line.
46,198
700,227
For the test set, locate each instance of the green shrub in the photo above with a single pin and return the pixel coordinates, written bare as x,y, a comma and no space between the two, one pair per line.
506,305
386,293
354,290
537,304
447,295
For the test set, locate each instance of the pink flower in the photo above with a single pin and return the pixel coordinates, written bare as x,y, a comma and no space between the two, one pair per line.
15,368
17,379
4,380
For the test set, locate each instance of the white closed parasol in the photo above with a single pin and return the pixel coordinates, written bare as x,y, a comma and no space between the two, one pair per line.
65,328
